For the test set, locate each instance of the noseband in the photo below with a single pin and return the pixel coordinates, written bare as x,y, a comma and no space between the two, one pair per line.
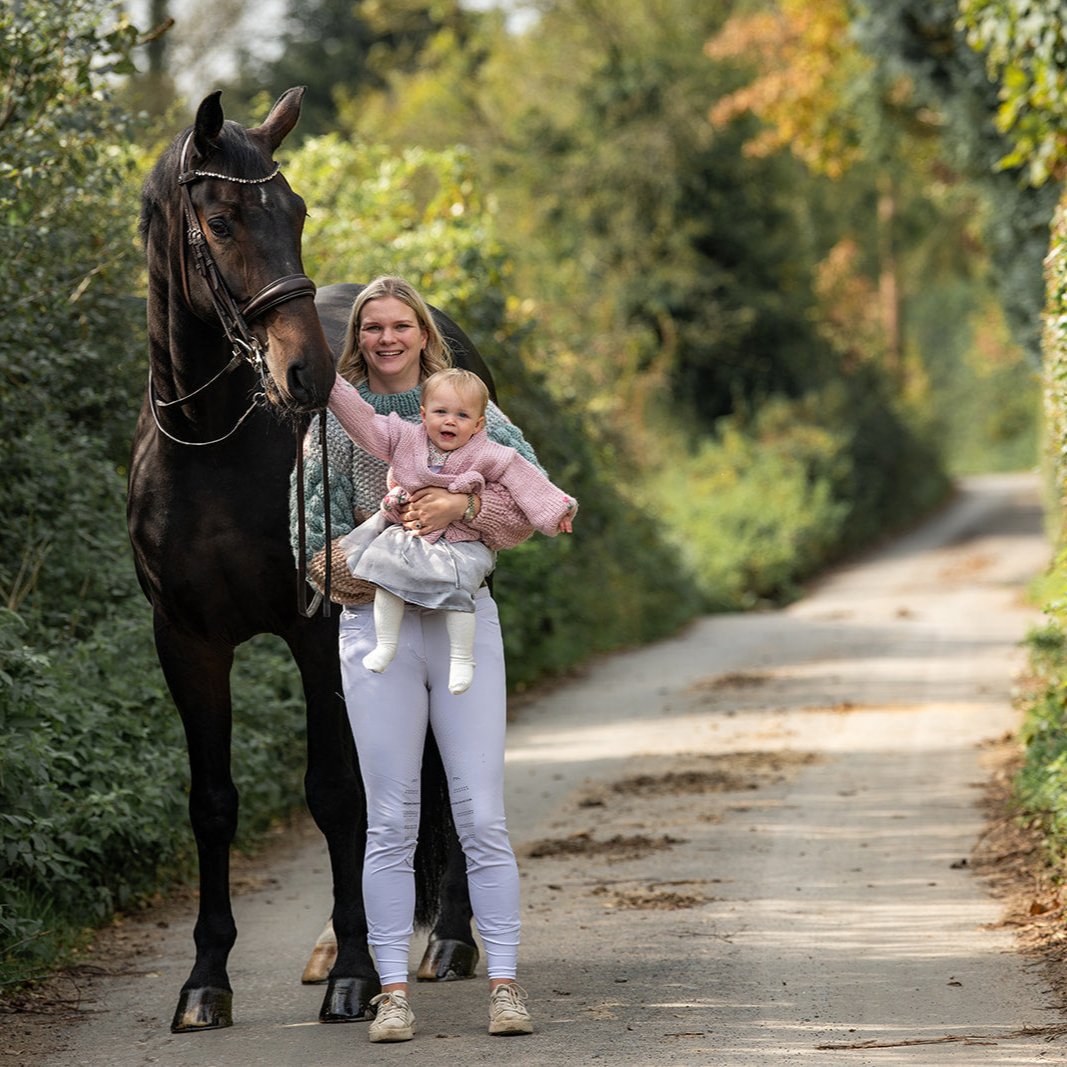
233,317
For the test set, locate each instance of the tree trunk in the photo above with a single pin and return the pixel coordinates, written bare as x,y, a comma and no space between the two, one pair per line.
888,282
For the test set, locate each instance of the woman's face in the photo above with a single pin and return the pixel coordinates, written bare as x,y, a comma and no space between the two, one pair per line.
392,342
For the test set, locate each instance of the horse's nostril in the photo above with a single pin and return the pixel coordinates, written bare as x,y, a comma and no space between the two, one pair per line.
296,382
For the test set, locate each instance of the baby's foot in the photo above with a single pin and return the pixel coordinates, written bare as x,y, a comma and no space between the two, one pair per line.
460,676
379,658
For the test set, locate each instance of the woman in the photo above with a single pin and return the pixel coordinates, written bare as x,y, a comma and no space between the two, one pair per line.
391,345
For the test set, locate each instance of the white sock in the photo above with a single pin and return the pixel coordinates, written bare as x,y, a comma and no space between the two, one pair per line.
460,626
388,615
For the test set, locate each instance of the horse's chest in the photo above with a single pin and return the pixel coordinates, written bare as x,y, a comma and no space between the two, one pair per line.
211,538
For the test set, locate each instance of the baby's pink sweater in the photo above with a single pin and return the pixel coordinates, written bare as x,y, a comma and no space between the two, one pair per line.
405,446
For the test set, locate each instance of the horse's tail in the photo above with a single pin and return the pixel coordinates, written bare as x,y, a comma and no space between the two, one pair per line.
437,832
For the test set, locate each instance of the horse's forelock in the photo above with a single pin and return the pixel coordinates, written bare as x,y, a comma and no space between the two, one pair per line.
244,154
235,152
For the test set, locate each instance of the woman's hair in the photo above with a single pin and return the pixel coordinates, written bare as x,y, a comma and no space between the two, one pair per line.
435,355
462,381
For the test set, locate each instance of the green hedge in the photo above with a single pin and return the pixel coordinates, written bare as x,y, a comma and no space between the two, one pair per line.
770,499
1041,786
94,780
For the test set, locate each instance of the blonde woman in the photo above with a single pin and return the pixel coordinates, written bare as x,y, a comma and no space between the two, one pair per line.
392,345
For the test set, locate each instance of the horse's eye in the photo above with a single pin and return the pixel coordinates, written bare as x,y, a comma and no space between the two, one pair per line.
219,227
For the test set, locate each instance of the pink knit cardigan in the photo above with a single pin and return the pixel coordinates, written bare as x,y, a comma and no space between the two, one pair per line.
405,446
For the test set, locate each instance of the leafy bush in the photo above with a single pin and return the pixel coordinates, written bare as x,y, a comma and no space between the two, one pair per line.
93,773
71,337
754,515
1041,784
768,500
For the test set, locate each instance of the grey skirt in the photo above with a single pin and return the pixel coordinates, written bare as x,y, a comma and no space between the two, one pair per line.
431,574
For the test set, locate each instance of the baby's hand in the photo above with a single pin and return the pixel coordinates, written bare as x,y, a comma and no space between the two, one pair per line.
566,524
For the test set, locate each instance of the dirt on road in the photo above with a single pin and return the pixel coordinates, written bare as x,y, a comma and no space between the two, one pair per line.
752,844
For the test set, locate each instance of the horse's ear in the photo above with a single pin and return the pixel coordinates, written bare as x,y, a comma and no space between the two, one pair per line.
208,126
282,118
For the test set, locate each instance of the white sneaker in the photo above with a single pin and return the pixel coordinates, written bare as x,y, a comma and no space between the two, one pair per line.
508,1013
394,1019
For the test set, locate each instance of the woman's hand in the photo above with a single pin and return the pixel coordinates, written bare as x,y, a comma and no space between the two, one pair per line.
433,508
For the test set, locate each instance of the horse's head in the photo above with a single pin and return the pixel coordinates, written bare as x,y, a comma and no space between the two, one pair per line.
234,226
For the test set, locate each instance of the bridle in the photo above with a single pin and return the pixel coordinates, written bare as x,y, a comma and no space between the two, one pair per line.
244,347
233,317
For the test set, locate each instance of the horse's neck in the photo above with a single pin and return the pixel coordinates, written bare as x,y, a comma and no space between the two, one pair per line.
186,353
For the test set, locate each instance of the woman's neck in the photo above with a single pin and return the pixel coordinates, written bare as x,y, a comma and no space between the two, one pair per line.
377,384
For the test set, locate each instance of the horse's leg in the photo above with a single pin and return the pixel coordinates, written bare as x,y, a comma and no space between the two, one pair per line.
451,951
198,675
335,799
322,958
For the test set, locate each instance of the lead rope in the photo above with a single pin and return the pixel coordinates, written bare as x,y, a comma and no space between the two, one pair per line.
323,598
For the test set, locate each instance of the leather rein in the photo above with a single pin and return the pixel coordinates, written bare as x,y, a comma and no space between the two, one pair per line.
244,347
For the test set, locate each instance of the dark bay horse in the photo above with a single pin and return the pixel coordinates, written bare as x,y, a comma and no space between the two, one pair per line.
238,359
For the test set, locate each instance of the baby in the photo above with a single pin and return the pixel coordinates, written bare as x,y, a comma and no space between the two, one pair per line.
443,569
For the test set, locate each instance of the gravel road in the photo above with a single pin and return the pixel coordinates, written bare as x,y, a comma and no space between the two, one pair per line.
743,846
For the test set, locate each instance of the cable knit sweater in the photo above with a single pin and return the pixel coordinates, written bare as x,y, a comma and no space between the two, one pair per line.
467,469
358,483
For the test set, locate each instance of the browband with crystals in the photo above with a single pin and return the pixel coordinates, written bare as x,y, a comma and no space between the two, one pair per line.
189,175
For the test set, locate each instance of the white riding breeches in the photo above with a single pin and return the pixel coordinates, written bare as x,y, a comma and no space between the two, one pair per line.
390,713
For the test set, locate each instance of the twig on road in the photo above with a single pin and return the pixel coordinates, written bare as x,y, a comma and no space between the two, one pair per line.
964,1039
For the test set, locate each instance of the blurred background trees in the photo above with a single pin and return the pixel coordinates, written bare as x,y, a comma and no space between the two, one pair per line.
756,278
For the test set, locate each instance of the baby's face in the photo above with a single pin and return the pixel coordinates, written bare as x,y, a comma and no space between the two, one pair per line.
451,418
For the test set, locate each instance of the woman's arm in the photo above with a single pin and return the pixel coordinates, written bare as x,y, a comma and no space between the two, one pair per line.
502,430
499,521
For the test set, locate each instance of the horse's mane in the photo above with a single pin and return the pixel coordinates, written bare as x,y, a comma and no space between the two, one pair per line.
233,152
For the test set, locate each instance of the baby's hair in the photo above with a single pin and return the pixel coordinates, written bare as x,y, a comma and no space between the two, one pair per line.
463,381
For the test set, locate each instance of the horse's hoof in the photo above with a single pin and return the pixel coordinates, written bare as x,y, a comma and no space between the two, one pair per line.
348,1000
446,960
319,964
206,1008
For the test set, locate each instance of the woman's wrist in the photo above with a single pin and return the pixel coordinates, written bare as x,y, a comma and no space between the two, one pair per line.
474,505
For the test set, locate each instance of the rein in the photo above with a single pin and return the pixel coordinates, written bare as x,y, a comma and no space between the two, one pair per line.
301,530
244,347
